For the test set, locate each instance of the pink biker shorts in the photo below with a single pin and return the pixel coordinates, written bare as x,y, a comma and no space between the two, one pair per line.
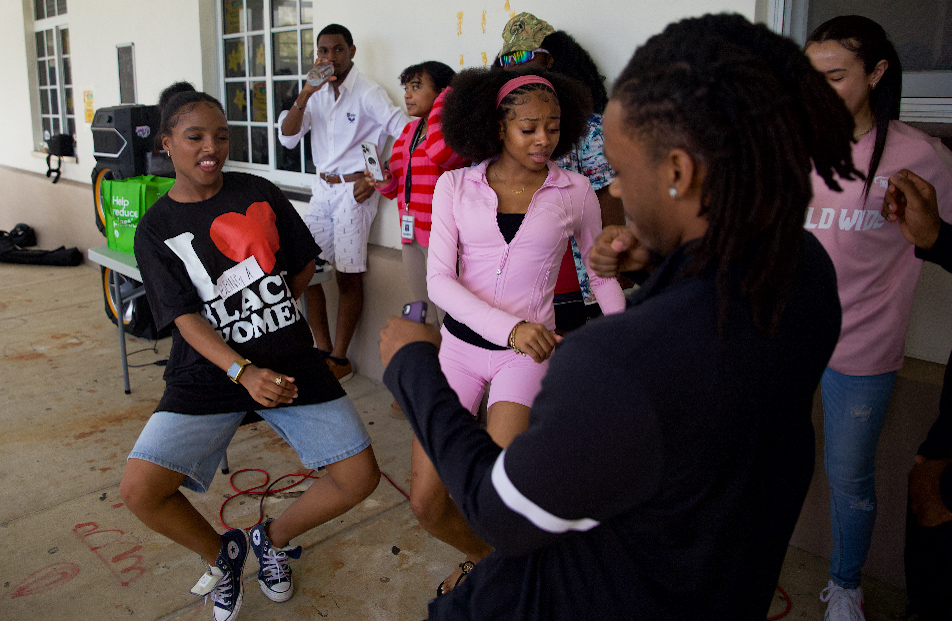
468,369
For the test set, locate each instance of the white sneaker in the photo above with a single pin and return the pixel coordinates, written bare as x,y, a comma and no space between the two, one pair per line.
844,604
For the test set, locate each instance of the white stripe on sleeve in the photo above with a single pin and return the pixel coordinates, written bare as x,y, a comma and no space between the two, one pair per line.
541,518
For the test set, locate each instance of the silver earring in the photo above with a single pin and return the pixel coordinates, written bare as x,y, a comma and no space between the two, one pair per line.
673,192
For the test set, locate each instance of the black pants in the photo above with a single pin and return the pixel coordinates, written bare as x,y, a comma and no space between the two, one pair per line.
928,558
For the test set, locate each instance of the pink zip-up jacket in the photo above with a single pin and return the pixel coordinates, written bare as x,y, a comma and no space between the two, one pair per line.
499,284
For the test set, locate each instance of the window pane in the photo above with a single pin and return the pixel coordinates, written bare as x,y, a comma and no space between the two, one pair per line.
235,58
56,126
40,44
232,17
54,101
288,159
38,7
51,65
50,8
67,73
285,51
258,60
71,126
259,145
255,13
64,41
236,101
47,128
61,7
307,12
44,101
259,102
307,50
285,91
284,13
41,72
50,43
69,101
238,149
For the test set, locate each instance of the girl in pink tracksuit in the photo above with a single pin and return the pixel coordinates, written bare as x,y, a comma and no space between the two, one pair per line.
498,233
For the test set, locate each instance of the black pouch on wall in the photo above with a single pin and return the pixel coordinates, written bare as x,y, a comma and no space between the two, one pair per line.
60,145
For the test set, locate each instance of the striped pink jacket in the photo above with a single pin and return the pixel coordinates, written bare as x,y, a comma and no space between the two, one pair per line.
431,159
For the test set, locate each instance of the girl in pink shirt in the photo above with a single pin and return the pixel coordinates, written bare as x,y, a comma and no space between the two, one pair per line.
498,233
876,273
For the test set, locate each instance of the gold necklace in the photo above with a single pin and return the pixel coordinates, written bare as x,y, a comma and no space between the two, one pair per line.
517,192
863,135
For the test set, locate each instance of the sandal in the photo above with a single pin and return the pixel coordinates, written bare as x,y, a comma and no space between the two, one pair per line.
466,566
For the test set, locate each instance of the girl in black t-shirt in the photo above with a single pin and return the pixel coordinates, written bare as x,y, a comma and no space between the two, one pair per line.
223,259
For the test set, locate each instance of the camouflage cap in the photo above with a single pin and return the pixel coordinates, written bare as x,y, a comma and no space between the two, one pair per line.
524,33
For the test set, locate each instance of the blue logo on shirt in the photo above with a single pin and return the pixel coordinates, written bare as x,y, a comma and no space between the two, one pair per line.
351,117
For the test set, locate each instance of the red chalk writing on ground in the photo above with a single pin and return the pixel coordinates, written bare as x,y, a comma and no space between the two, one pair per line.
42,580
121,557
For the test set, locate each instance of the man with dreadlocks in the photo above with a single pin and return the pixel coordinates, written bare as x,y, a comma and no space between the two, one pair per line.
671,446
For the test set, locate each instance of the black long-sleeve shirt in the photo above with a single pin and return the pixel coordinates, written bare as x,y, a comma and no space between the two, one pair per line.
664,467
938,444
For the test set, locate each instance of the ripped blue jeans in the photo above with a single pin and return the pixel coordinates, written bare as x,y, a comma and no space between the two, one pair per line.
854,409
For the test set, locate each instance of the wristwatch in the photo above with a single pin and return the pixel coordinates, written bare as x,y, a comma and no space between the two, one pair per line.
237,368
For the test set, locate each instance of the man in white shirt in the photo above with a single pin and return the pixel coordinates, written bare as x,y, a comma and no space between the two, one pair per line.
351,110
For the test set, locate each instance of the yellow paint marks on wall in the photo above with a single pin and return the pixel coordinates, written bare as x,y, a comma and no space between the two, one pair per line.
459,23
460,60
483,22
508,8
485,60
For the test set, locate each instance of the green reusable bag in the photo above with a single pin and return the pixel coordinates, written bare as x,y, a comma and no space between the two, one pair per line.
124,202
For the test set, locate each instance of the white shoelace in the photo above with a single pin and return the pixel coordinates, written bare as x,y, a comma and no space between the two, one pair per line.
844,604
222,592
276,564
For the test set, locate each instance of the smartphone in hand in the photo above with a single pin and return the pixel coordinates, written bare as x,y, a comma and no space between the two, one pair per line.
372,159
415,311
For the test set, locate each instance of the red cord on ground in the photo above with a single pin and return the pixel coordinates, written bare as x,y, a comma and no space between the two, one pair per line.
253,491
786,610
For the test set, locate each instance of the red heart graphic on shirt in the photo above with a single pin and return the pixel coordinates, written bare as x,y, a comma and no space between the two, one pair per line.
240,236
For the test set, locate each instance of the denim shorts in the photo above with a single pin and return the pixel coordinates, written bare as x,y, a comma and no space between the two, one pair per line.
193,445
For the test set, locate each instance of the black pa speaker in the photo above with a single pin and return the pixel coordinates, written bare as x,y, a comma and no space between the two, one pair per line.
122,138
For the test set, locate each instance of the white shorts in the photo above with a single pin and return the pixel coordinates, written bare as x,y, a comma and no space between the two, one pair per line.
340,225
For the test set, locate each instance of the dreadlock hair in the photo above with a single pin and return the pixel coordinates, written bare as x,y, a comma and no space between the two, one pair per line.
871,44
471,118
569,58
440,73
749,108
182,103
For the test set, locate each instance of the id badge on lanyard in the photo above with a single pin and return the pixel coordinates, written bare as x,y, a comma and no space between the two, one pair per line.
406,228
406,220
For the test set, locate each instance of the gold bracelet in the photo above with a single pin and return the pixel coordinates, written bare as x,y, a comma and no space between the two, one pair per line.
512,339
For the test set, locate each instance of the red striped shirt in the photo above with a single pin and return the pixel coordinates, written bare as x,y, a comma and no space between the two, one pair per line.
431,159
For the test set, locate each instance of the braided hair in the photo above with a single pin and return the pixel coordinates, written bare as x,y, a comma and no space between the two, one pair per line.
471,118
871,44
749,108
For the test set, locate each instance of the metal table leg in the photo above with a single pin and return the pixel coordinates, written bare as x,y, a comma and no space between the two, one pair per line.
114,276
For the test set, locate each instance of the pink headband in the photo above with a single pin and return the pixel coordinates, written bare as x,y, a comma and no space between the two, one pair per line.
515,83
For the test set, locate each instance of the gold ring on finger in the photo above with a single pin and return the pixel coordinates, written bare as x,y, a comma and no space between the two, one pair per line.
279,380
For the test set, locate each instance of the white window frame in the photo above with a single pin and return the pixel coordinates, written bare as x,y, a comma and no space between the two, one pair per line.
56,25
284,178
785,16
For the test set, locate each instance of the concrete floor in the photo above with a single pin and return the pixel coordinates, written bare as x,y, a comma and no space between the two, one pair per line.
73,551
